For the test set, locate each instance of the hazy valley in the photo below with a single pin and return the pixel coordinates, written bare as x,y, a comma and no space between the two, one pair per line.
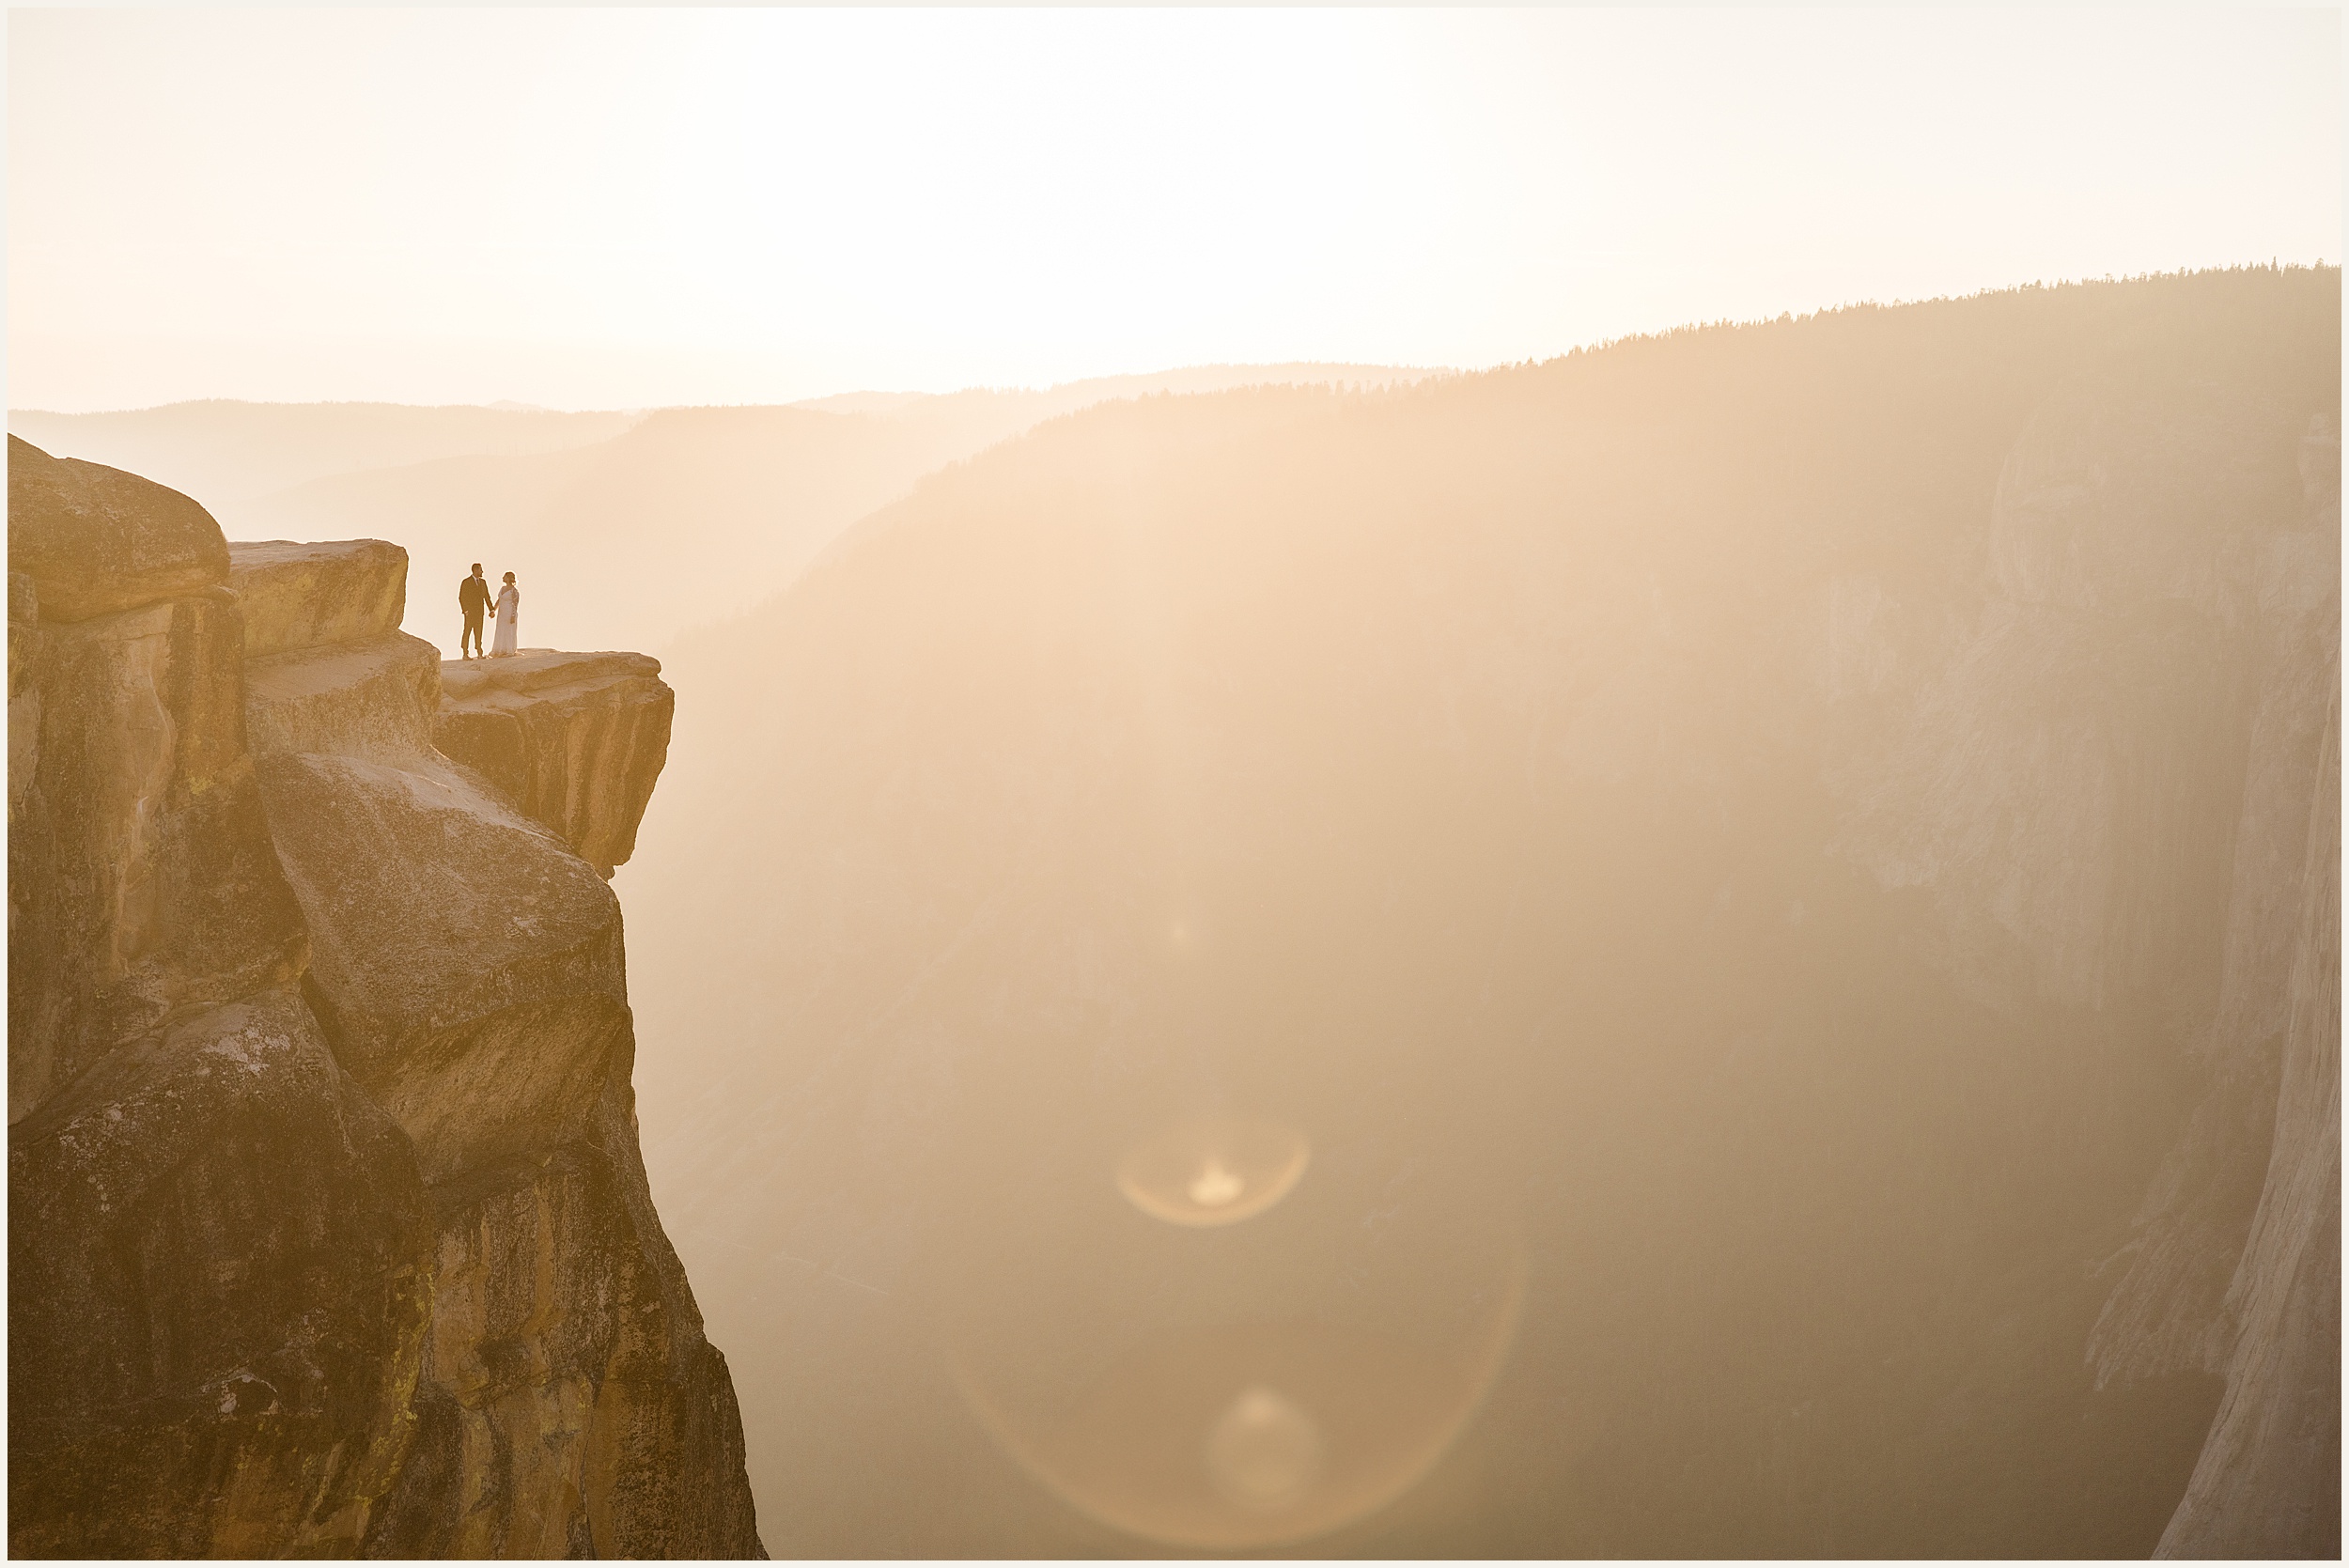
630,528
1803,825
1586,806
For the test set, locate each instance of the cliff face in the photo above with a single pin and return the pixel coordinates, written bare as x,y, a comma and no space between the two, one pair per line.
2121,793
575,738
329,1230
2266,1482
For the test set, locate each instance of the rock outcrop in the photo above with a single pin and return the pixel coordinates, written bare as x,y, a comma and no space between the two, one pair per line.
303,596
574,740
141,878
328,1231
96,540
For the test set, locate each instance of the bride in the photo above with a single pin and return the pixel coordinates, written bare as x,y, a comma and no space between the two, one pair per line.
510,603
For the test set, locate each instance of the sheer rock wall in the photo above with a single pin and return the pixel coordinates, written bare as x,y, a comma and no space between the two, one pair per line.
328,1229
2092,829
2266,1483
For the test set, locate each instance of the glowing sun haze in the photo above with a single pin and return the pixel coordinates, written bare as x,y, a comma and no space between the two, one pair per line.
627,207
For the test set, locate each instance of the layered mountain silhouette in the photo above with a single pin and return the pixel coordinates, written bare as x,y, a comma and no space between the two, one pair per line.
626,528
237,453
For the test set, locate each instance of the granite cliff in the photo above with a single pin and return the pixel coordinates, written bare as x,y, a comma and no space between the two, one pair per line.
328,1231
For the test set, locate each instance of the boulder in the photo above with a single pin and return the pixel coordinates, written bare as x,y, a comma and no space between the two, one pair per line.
303,596
218,1256
575,740
371,697
466,965
96,540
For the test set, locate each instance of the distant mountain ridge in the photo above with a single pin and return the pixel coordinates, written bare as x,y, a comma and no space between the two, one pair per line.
1070,396
624,527
226,453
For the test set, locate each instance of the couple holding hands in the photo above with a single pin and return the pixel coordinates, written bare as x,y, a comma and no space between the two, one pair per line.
472,598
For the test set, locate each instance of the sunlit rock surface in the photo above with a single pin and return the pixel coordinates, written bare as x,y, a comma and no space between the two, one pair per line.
217,1242
141,877
370,697
300,595
320,1063
575,740
468,966
96,540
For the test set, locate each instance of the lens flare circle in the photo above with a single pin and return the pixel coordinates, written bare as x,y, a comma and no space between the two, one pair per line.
1264,1451
1213,1386
1244,1436
1213,1173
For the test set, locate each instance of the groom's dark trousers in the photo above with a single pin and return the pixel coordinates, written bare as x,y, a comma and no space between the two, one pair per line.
472,598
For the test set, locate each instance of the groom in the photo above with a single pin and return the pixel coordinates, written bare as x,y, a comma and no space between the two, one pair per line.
472,598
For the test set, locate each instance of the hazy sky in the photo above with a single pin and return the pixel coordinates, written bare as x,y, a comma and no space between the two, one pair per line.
623,208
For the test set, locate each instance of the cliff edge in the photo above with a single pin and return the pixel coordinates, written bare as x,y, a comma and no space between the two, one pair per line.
329,1233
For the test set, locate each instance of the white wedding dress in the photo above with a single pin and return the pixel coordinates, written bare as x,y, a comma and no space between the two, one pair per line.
510,603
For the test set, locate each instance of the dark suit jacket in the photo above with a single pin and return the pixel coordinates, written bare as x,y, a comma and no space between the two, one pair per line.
473,595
